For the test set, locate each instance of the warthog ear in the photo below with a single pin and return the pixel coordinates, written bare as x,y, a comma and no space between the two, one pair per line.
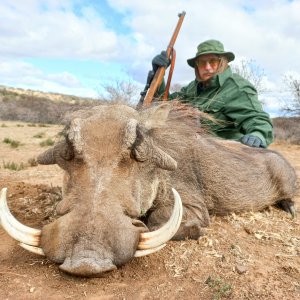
74,134
130,133
142,147
60,150
155,116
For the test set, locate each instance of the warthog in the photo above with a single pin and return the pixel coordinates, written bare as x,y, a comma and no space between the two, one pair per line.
120,167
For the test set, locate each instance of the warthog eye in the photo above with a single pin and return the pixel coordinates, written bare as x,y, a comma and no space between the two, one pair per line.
67,152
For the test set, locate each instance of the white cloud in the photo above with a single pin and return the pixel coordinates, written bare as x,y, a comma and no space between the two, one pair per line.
11,70
265,31
31,30
24,75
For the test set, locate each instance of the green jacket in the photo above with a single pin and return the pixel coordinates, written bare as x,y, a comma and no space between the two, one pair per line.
232,100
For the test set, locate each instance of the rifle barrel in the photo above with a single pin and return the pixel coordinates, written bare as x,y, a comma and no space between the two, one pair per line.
159,75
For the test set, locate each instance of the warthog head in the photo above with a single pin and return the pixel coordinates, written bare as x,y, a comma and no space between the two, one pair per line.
112,173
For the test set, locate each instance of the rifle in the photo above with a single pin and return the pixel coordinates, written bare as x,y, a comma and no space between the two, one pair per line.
149,91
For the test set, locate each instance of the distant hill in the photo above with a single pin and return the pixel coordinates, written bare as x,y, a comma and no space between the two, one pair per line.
39,107
287,129
5,90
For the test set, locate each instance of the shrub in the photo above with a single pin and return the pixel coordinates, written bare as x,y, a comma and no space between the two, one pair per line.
60,134
13,166
220,288
13,143
32,162
287,130
7,140
47,142
39,135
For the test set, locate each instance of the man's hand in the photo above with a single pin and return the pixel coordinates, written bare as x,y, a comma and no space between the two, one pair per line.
150,78
160,60
253,141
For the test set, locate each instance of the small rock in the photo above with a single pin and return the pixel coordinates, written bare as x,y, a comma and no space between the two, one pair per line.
248,230
241,269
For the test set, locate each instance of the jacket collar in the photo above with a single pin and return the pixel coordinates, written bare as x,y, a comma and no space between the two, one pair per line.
221,78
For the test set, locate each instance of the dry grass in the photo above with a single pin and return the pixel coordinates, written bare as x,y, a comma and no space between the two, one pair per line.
270,227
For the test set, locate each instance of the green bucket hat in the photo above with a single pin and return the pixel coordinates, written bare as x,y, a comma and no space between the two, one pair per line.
210,47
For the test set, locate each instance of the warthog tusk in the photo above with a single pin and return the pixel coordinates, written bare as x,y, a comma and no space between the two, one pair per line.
14,228
153,239
140,253
36,250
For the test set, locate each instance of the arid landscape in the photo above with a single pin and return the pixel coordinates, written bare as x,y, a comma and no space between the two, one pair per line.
115,182
248,256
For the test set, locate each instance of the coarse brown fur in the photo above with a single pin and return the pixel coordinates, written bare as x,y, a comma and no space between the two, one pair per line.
120,166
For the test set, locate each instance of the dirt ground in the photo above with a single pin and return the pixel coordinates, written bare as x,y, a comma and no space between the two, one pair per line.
248,256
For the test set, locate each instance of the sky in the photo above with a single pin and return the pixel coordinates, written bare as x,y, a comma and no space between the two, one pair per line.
76,47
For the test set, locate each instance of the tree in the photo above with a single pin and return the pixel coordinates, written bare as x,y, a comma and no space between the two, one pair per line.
292,104
120,90
176,87
252,72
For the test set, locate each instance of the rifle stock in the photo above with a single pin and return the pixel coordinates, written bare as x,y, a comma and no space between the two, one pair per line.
160,73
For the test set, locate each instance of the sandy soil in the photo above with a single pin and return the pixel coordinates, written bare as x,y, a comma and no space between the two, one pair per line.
248,256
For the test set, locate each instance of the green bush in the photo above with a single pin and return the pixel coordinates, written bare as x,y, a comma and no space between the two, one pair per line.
220,288
39,135
11,165
47,142
13,143
7,140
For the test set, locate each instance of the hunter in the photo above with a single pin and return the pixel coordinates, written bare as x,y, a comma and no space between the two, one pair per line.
228,97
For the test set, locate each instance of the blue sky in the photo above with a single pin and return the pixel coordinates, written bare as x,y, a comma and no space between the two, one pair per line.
74,46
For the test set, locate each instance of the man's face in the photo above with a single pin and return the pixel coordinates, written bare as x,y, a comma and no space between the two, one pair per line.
207,65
